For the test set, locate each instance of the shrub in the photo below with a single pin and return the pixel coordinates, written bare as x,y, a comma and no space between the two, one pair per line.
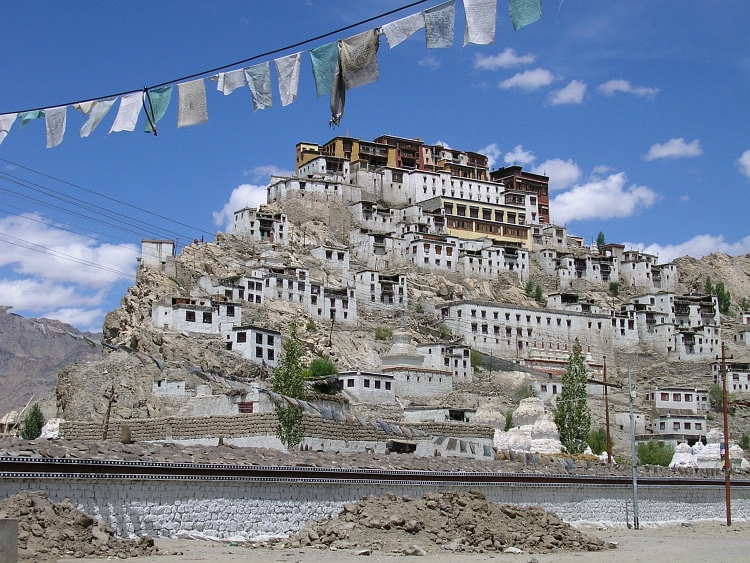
655,453
311,327
529,289
477,360
445,334
383,333
744,442
614,288
320,368
597,440
508,419
523,392
33,423
538,294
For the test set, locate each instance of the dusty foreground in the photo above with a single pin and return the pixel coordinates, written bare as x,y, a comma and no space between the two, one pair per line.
709,542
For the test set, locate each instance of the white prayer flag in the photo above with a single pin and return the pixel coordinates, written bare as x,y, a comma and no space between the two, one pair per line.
481,16
55,119
192,109
127,115
6,122
96,113
401,30
287,69
259,82
228,82
439,23
85,107
359,59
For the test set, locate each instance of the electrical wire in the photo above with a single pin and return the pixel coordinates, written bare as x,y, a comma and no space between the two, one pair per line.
237,63
105,196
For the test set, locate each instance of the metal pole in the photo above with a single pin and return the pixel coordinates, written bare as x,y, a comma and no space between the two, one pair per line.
606,414
632,452
727,462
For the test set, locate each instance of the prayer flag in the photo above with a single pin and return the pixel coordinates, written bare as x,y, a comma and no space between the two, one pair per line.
259,81
400,30
127,114
524,12
324,60
192,109
439,23
359,59
481,16
85,107
27,116
228,82
287,69
55,119
96,113
6,122
156,109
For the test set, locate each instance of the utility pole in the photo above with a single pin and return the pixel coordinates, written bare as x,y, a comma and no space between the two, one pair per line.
632,452
606,414
111,397
727,462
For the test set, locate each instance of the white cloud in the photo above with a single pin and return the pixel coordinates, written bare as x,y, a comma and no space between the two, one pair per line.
697,247
743,163
430,63
613,86
674,148
599,170
529,80
260,172
41,295
492,152
82,319
506,59
442,144
601,199
244,195
573,93
519,156
562,173
685,198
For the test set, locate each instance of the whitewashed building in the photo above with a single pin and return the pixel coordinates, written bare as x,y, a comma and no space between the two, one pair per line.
368,387
376,289
156,253
455,358
412,378
332,257
261,225
196,315
256,344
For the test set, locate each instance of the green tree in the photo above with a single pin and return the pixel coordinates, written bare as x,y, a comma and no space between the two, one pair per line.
33,423
744,442
614,288
508,419
597,440
655,453
538,294
600,242
573,417
477,359
529,289
320,368
288,380
383,333
724,298
744,305
523,392
709,289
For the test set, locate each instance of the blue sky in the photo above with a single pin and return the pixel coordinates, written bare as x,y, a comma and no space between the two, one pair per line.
637,110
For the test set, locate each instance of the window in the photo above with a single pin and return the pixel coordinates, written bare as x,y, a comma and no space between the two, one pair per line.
271,354
241,337
662,426
230,310
366,382
208,317
461,210
190,316
687,425
474,212
699,426
677,397
350,383
270,340
665,396
377,384
387,385
675,426
259,352
688,397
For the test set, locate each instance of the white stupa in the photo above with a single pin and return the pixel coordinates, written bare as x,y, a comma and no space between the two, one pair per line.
534,430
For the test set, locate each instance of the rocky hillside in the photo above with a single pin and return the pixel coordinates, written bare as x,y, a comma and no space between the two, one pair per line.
32,353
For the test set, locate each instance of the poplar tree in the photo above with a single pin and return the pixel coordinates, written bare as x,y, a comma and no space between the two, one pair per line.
288,379
573,417
33,423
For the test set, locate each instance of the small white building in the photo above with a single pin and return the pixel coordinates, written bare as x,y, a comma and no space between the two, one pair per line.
412,377
196,315
455,358
332,257
368,387
156,253
377,289
261,225
738,374
256,344
679,398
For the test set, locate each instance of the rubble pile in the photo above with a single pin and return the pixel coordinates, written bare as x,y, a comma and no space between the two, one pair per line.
48,531
451,520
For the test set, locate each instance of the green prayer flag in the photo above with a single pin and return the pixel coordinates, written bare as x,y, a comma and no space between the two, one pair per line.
324,60
524,12
158,107
27,116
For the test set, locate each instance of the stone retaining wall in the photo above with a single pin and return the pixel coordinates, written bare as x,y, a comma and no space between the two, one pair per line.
256,424
249,509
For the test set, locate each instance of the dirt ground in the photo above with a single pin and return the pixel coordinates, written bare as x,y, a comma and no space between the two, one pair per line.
704,542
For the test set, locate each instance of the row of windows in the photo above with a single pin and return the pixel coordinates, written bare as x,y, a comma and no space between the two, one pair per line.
366,383
270,339
684,425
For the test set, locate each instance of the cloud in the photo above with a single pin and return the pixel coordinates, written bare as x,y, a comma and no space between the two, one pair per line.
430,63
743,163
260,172
572,94
244,195
82,319
674,148
601,199
442,144
42,295
613,86
562,173
492,152
506,59
697,247
529,80
519,156
599,170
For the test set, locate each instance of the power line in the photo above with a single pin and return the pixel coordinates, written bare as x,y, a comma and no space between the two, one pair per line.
61,255
105,196
237,63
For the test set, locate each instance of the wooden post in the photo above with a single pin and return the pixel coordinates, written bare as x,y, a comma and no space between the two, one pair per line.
606,414
727,462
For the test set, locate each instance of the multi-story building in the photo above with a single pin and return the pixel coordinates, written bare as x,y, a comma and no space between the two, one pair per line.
261,225
377,289
453,357
195,315
679,413
368,387
537,185
259,345
738,374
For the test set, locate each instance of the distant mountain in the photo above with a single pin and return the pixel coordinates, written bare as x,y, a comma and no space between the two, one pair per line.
32,352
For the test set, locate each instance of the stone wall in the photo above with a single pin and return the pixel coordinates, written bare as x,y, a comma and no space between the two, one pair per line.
239,509
256,424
